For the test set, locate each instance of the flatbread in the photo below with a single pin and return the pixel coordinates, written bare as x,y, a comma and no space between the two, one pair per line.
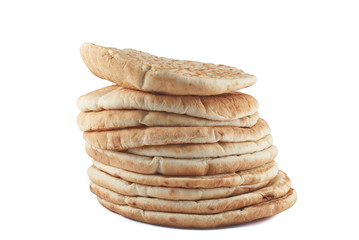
139,70
276,188
184,166
134,189
123,139
116,119
224,107
204,150
212,181
251,176
185,220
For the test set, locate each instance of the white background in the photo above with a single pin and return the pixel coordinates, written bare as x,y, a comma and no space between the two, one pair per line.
304,54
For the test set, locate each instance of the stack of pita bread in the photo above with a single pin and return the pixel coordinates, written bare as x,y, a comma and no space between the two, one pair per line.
173,143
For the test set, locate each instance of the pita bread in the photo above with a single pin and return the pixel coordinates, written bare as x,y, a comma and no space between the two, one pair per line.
205,150
123,139
212,181
184,166
185,220
115,119
252,176
139,70
121,186
277,187
224,107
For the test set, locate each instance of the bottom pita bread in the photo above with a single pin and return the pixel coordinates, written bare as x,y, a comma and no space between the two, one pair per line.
183,220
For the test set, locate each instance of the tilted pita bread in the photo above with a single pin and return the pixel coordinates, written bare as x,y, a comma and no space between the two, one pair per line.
204,150
276,188
185,220
115,119
246,177
123,139
139,70
121,186
222,107
184,166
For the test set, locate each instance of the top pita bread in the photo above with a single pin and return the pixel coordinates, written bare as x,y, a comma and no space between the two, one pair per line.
133,69
223,107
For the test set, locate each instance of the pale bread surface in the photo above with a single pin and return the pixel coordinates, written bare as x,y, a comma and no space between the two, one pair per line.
127,138
276,188
224,107
246,177
204,150
184,166
139,70
116,119
134,189
185,220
